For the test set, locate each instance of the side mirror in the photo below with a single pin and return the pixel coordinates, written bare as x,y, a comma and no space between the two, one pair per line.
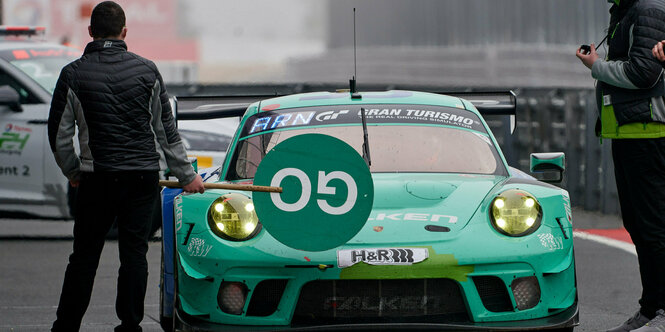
550,165
10,98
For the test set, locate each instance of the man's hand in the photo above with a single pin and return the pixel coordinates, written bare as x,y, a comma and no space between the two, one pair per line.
74,183
196,186
657,50
589,58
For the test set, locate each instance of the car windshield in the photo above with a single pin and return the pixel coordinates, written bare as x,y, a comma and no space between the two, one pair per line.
411,145
42,64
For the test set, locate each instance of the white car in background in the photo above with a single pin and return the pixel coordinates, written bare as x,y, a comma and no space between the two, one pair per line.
30,180
207,140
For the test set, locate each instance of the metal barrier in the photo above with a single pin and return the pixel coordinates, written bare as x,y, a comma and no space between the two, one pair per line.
548,120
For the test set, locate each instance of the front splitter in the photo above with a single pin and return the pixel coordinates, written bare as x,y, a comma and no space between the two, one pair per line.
565,319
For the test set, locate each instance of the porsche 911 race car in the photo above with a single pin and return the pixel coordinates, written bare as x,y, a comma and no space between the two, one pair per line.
397,209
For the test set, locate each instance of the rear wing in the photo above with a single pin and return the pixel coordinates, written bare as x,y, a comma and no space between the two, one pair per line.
489,103
212,107
492,103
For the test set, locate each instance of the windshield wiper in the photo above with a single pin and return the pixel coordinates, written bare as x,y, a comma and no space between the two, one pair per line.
366,155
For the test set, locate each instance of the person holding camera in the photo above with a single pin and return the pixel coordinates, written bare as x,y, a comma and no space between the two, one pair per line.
630,93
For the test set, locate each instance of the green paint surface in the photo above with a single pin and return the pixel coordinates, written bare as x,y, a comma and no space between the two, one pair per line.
327,192
435,266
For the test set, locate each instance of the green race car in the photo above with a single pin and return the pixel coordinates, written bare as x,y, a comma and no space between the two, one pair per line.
397,210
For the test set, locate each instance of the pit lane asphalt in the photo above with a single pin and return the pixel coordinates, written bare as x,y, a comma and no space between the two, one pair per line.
33,256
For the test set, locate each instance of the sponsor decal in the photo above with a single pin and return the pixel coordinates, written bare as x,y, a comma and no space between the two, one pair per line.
177,204
435,266
14,128
344,114
607,100
383,303
21,54
329,195
23,170
550,242
566,206
439,117
198,248
330,115
378,228
414,217
273,121
25,54
52,53
13,139
381,256
411,115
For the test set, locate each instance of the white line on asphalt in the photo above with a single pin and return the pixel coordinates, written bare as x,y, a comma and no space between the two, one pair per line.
628,247
83,325
41,307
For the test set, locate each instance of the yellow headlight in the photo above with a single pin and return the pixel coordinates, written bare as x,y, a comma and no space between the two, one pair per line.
232,217
515,212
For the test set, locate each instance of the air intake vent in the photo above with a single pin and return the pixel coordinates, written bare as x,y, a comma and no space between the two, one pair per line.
493,293
380,301
266,297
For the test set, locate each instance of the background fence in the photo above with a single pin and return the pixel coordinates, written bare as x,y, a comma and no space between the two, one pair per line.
548,120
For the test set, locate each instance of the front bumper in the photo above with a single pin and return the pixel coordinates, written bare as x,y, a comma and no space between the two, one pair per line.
480,263
564,319
480,302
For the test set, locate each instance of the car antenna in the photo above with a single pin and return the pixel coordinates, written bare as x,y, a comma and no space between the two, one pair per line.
356,95
352,81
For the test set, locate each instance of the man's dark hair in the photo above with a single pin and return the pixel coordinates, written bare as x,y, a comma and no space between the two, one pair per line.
107,20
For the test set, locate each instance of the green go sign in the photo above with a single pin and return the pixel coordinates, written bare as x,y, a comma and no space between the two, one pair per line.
327,192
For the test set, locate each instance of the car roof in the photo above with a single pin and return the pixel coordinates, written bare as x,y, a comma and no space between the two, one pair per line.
14,44
391,97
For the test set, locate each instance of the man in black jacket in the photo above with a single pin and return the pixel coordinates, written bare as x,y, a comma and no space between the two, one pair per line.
630,95
119,103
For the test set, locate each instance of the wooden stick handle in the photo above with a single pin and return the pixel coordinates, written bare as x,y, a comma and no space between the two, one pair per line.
244,187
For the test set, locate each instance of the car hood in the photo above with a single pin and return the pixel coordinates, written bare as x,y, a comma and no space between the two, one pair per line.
421,208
